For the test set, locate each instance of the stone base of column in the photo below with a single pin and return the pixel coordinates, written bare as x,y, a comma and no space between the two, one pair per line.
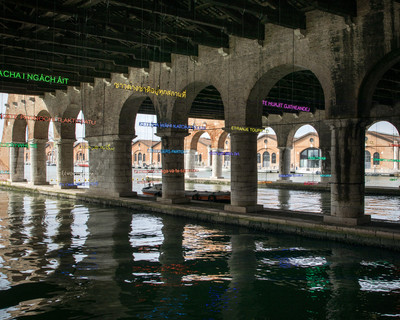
243,209
57,186
325,179
18,180
284,181
348,221
128,194
44,183
214,178
173,201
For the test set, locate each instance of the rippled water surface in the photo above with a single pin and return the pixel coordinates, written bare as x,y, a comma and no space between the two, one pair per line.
65,260
378,206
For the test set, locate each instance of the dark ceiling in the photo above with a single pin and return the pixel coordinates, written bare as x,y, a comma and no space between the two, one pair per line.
84,39
300,88
387,91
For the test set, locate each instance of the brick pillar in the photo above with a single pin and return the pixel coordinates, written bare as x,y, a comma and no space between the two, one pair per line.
110,171
347,182
17,168
38,162
216,164
284,163
173,184
65,163
190,161
243,173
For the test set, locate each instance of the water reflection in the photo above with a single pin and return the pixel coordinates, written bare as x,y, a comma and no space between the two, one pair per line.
61,259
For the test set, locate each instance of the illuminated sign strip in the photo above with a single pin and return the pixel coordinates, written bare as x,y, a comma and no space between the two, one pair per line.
44,118
247,129
392,160
34,77
224,153
107,147
166,171
148,89
18,145
285,106
170,125
290,175
166,151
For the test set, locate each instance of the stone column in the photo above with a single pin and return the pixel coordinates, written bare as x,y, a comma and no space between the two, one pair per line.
326,164
151,157
65,163
38,162
110,171
284,164
208,156
395,157
190,159
244,173
17,167
347,181
216,164
173,184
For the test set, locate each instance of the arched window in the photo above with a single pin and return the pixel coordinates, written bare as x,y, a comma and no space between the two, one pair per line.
135,157
376,159
158,157
26,156
77,157
144,157
367,160
258,158
273,158
200,157
140,156
306,154
266,159
83,156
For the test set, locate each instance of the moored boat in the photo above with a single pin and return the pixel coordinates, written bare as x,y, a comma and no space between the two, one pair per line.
213,196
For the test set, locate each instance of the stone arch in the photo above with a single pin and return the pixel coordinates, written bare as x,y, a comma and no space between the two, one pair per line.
128,113
371,121
263,85
371,79
19,129
195,139
67,130
179,113
221,139
41,128
293,130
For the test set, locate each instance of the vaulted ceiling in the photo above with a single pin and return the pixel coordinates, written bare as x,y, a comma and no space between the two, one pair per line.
84,39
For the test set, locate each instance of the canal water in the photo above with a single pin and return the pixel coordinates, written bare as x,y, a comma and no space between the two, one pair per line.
378,206
61,259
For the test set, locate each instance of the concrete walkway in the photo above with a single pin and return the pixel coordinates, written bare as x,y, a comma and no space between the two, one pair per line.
377,233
